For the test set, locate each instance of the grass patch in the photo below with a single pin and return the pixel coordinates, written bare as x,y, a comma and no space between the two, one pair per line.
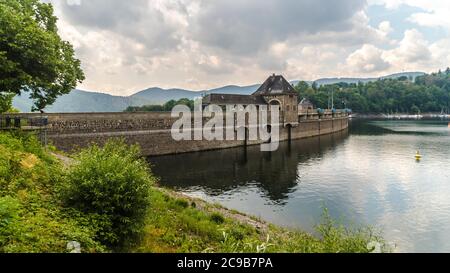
31,216
181,229
217,218
182,203
106,202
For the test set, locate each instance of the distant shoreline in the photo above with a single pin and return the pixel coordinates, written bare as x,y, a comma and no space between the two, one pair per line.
402,116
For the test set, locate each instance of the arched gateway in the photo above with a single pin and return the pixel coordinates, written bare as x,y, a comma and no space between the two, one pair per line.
276,90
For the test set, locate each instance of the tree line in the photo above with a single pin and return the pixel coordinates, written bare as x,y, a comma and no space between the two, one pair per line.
166,107
428,93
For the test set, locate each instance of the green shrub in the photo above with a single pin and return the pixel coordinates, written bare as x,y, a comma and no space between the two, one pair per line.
182,203
25,142
111,181
217,218
9,216
31,218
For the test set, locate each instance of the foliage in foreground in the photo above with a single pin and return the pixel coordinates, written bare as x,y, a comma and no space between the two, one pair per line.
105,200
176,225
112,182
6,102
101,201
31,217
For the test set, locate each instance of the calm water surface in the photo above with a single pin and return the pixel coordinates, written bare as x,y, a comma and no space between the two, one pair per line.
367,175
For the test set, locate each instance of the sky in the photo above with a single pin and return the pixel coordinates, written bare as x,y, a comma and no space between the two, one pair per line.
128,46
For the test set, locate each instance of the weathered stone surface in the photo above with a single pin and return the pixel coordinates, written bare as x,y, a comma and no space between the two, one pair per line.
152,131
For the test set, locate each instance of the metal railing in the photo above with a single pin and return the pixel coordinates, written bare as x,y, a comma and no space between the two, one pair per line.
16,122
36,124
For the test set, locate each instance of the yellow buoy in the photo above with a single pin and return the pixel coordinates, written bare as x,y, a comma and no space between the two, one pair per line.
418,156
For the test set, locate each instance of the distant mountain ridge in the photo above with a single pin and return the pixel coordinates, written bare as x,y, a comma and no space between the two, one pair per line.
326,81
84,101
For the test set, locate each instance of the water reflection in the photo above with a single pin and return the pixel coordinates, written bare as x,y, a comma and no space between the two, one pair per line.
220,172
368,176
382,127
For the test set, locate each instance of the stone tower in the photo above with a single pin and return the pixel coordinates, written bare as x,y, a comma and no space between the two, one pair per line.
276,90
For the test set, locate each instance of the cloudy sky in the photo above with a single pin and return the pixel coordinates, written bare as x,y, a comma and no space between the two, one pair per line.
127,46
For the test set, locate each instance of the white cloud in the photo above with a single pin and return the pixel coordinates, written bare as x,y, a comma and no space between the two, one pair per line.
436,12
367,59
412,53
412,49
440,52
126,46
385,28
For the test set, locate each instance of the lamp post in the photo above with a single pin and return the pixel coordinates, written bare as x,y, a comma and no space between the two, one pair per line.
332,98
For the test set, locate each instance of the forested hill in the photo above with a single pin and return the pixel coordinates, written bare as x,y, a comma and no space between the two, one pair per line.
427,93
83,101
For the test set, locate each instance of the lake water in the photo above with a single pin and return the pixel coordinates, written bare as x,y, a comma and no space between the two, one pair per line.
366,175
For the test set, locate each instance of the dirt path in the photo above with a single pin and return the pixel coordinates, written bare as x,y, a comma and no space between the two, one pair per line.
201,204
67,161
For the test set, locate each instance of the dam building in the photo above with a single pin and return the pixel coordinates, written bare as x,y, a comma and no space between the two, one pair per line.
276,90
152,130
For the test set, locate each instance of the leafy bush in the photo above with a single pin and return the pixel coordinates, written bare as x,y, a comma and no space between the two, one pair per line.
182,203
31,218
5,102
217,218
111,181
25,142
8,217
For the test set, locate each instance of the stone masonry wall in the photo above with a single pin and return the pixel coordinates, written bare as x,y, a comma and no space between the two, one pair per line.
152,131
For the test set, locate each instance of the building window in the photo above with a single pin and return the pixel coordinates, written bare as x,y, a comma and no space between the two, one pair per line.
287,108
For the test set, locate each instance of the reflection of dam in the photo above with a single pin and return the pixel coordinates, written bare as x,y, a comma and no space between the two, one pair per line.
223,170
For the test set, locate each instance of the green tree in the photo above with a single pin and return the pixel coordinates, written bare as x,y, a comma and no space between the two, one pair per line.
415,109
5,102
33,57
302,87
428,93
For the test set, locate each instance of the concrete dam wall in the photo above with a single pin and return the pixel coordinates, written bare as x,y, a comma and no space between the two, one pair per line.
152,131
